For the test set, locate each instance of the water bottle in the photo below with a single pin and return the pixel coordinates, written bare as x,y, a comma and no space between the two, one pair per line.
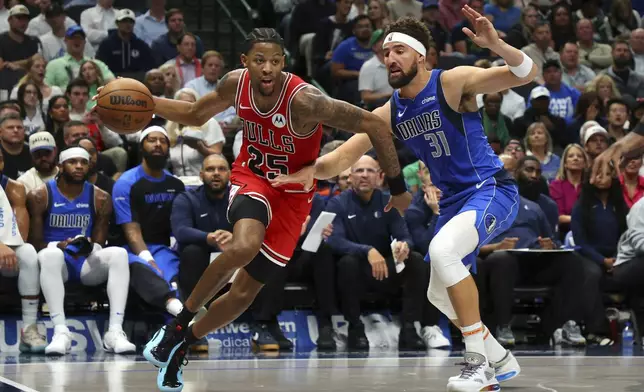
627,336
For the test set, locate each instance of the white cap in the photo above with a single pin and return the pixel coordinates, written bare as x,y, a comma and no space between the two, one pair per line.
19,9
125,14
584,127
149,130
539,92
41,141
595,129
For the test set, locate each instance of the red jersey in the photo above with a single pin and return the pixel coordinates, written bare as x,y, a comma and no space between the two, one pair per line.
270,145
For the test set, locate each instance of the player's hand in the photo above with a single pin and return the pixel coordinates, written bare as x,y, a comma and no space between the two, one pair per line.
607,160
546,243
306,223
327,231
8,259
401,251
432,197
304,176
63,244
507,243
486,35
378,265
400,202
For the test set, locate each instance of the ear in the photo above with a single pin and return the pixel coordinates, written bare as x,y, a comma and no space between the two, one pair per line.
244,60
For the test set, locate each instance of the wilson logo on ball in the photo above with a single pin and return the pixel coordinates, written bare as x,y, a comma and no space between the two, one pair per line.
127,100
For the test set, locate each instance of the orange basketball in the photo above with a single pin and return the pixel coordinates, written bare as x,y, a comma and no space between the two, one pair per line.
125,105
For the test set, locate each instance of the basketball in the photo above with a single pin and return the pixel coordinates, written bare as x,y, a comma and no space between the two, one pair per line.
125,105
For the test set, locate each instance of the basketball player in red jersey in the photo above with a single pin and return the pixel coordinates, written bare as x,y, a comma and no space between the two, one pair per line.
282,117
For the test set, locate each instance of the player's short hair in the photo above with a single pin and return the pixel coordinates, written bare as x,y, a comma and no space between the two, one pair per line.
413,28
263,35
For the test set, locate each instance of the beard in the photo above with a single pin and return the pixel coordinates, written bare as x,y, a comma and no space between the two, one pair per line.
71,180
622,62
529,189
156,162
405,79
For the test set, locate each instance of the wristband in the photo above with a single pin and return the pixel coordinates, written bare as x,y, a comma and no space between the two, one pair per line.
523,69
146,255
397,185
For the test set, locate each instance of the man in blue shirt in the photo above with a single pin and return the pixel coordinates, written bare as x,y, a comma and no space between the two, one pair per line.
348,58
563,98
528,175
505,14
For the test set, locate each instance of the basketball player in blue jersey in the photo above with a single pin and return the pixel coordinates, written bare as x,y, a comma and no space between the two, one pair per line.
69,225
428,111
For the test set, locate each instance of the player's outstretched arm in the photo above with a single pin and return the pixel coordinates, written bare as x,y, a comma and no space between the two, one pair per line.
103,203
630,145
37,205
17,196
198,113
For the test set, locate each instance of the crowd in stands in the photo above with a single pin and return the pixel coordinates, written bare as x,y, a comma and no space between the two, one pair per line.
589,93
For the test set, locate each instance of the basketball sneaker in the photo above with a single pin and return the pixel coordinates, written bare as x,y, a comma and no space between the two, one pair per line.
434,338
31,341
61,342
507,368
261,338
170,378
476,376
163,344
115,341
569,334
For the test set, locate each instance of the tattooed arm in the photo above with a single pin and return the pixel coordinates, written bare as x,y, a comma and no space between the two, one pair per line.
37,205
103,203
17,196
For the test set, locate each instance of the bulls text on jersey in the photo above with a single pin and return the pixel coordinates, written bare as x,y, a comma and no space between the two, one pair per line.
255,133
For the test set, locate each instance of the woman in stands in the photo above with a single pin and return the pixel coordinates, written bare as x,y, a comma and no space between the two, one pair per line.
378,14
30,98
562,24
91,73
36,73
566,187
589,108
538,142
172,82
605,88
57,116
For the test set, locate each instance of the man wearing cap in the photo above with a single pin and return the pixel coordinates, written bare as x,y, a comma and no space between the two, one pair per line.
17,159
143,198
348,58
372,81
96,21
122,51
595,141
42,147
16,47
53,41
69,225
61,71
563,98
538,111
39,25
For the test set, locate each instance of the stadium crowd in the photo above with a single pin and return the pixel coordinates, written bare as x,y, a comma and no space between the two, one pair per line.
589,94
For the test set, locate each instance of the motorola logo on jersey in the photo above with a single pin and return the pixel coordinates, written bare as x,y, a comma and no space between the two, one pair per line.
279,120
254,133
69,221
419,124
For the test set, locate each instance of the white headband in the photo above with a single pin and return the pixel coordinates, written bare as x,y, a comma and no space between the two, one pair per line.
74,152
154,128
407,40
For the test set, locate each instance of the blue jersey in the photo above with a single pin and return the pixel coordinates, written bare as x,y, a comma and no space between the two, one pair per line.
68,218
452,145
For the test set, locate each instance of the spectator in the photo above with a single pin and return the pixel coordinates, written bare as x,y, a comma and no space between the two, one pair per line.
539,112
595,141
574,74
540,51
331,31
172,82
563,28
495,124
628,268
57,116
500,271
62,70
637,46
78,95
515,149
431,17
30,99
631,180
15,151
530,187
451,12
538,143
593,54
200,225
187,65
512,105
618,115
122,51
401,8
152,24
589,108
155,82
378,14
349,57
4,17
520,35
16,48
53,41
373,82
307,18
44,158
187,147
36,74
460,42
504,13
563,98
605,87
591,10
143,199
166,47
40,25
367,258
626,80
566,187
96,21
622,18
91,73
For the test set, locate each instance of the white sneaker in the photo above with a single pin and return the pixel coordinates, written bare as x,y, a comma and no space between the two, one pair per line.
434,338
31,341
477,375
115,341
61,343
507,368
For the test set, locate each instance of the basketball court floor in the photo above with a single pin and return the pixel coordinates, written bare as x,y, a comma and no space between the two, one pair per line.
242,371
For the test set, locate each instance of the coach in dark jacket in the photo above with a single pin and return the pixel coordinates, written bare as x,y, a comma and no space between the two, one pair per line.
362,235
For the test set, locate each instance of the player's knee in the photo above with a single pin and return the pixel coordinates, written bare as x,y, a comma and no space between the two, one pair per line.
27,256
51,259
244,250
117,256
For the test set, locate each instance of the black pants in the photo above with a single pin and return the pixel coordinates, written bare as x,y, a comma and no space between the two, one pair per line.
355,279
194,260
315,268
500,272
593,304
629,276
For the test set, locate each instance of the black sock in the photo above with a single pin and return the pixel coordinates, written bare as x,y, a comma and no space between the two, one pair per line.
190,337
185,317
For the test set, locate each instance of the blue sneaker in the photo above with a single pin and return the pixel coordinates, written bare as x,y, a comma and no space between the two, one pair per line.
170,378
163,344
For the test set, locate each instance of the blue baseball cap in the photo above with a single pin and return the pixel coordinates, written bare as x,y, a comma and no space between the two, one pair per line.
75,30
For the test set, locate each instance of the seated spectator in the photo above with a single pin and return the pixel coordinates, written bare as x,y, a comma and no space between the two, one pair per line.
563,98
172,82
187,152
155,82
373,82
637,46
96,21
622,18
39,25
538,143
16,48
596,141
512,105
36,74
53,41
401,8
331,31
431,17
460,42
378,14
91,73
422,215
349,57
499,272
618,113
505,14
44,156
631,180
539,111
592,54
73,131
575,74
165,47
142,200
566,187
562,25
152,24
520,35
628,268
78,94
367,259
495,124
122,51
591,10
605,88
61,71
30,99
515,149
187,65
17,159
531,188
57,116
540,50
627,81
589,108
